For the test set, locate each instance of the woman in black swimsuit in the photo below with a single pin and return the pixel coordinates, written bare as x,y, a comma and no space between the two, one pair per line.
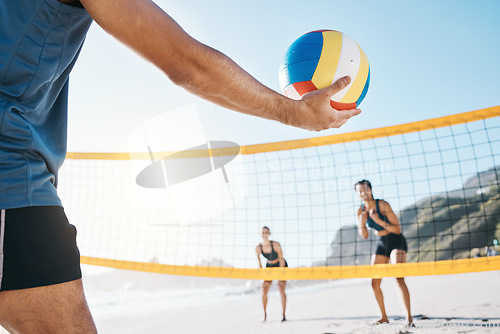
378,215
271,250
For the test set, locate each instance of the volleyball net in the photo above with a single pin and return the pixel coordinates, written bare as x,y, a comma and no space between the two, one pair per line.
199,211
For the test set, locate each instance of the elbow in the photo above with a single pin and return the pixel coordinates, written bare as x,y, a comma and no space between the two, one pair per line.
180,67
189,69
181,77
394,229
194,79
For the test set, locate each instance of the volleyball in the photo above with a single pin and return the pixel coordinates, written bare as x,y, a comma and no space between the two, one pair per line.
317,59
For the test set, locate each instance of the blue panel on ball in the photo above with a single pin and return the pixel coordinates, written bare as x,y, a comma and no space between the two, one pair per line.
300,52
365,89
298,72
308,46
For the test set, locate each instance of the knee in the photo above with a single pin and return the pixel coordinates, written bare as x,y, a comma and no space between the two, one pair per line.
282,286
376,284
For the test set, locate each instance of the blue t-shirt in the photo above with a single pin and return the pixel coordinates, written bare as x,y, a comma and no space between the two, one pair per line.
39,43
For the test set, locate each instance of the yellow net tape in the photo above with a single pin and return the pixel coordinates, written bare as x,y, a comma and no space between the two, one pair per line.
445,267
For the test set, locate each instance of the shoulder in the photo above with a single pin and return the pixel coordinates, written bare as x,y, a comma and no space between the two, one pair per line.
276,244
384,204
258,247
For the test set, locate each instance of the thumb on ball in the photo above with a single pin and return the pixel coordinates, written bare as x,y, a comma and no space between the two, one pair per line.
340,84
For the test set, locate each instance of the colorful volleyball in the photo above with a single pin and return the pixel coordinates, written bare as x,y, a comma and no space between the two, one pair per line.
319,58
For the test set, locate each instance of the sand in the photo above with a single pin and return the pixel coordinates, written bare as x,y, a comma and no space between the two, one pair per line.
463,303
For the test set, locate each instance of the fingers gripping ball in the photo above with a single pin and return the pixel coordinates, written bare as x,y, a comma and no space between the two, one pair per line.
319,58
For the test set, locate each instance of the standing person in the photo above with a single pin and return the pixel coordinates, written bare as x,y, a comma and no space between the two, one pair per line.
377,214
272,251
491,251
40,277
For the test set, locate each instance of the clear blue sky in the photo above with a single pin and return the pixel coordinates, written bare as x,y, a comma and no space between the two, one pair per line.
427,59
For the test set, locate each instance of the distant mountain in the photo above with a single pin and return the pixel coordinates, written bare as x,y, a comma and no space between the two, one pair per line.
445,226
349,248
477,184
450,228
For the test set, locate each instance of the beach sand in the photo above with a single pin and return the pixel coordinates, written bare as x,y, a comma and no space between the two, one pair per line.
462,303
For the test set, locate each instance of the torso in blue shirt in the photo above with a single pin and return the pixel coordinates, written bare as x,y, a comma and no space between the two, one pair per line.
39,43
371,223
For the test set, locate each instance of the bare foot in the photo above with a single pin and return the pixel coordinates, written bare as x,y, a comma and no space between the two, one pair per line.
381,321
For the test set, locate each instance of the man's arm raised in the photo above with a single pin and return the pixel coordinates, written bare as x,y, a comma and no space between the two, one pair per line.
206,72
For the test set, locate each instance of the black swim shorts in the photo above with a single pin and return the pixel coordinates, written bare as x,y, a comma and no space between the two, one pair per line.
390,242
37,248
275,265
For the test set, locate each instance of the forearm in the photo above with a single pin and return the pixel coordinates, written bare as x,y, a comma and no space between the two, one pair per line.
207,73
222,81
391,228
203,71
363,232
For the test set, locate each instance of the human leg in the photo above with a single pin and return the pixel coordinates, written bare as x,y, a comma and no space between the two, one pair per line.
282,286
399,256
376,282
265,289
59,308
40,277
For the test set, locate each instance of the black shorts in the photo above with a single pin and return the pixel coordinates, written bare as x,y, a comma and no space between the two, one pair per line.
275,265
390,242
37,248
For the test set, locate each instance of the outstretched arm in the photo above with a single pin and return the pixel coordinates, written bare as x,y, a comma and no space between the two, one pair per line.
207,73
